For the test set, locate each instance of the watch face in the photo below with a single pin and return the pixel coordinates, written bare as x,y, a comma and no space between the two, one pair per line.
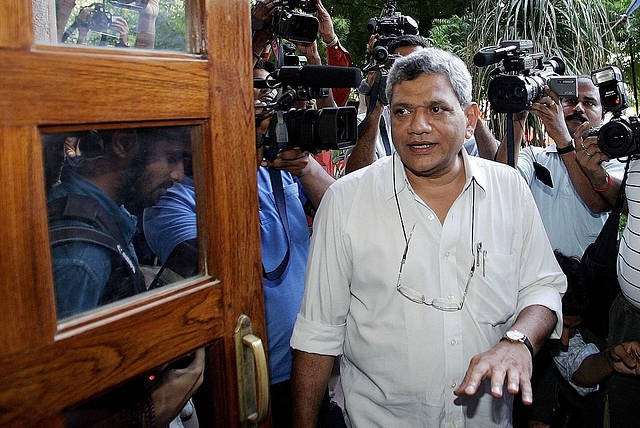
515,335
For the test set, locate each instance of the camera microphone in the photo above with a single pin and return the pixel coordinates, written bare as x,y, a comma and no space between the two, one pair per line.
324,76
491,55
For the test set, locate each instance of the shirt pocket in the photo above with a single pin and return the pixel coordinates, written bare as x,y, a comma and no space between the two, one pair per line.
493,291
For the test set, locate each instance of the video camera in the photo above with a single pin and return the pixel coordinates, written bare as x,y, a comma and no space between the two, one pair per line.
294,26
390,25
513,93
620,136
331,128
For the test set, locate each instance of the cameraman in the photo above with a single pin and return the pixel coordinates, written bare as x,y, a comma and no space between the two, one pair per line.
173,221
584,184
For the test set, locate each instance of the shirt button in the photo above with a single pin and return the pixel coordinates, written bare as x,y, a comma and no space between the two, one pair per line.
453,342
451,297
453,384
431,217
453,425
447,254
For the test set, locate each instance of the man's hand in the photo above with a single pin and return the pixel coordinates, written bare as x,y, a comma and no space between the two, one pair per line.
625,357
295,161
325,24
310,50
506,362
549,110
176,387
263,10
590,157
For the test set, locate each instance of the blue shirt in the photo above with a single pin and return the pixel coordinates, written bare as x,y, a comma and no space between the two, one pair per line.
80,270
173,220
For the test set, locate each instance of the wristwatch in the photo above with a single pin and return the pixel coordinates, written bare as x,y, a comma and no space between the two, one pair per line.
516,336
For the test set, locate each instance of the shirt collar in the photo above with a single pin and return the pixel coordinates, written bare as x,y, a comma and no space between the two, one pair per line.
474,171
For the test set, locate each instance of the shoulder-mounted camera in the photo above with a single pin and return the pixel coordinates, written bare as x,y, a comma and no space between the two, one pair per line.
530,73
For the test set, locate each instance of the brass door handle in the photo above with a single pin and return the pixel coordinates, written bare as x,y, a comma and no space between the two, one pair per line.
253,375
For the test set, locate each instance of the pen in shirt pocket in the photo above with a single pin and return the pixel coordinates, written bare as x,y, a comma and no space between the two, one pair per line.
484,262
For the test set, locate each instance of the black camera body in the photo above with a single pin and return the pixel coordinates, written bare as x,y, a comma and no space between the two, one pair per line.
620,136
295,26
388,26
513,93
312,130
99,20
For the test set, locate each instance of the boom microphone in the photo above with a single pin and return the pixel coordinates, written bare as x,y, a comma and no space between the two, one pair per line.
491,55
320,76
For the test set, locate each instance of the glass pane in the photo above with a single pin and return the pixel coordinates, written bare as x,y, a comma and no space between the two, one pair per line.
171,395
122,218
141,24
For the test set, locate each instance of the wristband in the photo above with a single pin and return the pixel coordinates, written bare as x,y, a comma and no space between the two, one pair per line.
606,187
332,42
570,148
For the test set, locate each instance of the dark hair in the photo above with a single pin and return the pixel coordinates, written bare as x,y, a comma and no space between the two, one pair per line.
406,40
575,300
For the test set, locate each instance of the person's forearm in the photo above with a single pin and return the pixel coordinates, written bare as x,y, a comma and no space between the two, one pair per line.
582,184
486,142
537,323
593,370
364,152
310,375
315,181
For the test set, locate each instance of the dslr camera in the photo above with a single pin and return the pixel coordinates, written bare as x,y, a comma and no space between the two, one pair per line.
620,136
390,25
312,130
295,26
513,93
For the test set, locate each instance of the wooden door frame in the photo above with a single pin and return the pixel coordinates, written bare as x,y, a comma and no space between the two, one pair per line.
45,366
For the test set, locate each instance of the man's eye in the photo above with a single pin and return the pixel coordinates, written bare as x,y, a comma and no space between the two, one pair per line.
401,112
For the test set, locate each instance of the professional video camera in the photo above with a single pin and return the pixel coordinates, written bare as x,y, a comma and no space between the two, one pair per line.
330,128
294,26
390,25
620,136
512,93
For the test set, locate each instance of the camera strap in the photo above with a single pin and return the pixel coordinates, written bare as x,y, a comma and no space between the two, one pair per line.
385,136
278,193
373,99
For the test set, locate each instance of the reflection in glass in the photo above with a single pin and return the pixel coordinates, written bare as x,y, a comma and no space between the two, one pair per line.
142,24
98,185
168,396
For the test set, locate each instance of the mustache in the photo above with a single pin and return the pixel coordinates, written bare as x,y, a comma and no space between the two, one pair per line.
577,116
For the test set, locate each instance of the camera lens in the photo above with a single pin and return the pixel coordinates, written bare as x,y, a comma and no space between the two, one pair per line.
616,139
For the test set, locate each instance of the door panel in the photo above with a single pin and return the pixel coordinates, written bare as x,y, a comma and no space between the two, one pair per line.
46,367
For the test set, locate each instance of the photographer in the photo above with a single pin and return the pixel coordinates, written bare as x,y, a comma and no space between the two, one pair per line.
146,27
303,183
582,184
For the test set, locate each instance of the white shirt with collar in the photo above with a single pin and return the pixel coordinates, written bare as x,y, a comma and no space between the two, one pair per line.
569,223
402,360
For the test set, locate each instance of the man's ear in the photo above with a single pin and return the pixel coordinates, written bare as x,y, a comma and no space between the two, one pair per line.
472,113
124,144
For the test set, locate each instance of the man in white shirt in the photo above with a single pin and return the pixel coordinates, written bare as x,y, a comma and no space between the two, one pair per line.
421,264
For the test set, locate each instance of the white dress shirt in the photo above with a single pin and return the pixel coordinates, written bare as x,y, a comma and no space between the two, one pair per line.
402,360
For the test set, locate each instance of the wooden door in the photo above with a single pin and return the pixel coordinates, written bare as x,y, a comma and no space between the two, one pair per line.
47,366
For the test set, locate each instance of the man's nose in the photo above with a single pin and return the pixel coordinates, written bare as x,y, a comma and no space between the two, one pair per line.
419,124
177,172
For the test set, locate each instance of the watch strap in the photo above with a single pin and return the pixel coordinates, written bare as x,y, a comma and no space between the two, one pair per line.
570,148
